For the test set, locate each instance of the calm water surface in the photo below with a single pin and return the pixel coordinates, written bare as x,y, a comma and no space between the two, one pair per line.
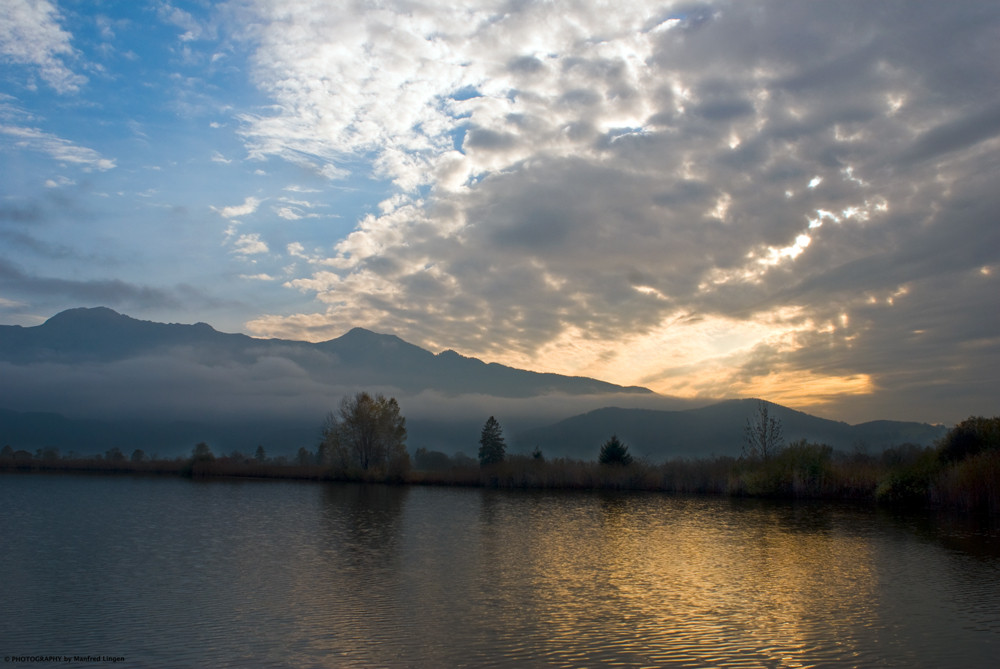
172,573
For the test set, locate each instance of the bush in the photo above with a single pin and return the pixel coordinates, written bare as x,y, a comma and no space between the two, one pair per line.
970,437
910,481
801,469
807,466
431,460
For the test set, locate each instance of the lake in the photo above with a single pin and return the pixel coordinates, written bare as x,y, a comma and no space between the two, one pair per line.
170,572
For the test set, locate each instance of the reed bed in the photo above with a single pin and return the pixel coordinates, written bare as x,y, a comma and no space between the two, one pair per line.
962,472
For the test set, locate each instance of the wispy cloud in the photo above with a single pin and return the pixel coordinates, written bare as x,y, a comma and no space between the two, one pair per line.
296,210
30,34
59,182
249,206
191,28
58,148
293,213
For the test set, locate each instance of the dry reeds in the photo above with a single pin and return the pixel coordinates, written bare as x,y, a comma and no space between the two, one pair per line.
962,472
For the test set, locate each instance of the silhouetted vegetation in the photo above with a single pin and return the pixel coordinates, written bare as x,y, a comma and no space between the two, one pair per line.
962,471
971,437
762,437
366,439
431,460
614,452
492,447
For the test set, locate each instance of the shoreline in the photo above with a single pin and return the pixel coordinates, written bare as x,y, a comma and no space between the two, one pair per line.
908,485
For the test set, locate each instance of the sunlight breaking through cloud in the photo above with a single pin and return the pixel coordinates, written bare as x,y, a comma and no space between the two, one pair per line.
633,192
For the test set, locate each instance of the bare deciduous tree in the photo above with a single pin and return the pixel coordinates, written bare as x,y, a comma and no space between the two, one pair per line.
762,438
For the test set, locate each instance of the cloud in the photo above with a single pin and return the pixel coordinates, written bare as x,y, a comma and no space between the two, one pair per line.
293,213
192,28
59,182
249,206
58,148
248,245
29,213
16,281
955,135
30,34
296,210
575,184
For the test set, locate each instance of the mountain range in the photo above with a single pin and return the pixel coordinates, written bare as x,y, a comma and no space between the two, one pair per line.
360,356
88,379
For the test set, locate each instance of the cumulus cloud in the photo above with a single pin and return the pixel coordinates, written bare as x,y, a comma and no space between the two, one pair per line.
792,185
248,245
30,34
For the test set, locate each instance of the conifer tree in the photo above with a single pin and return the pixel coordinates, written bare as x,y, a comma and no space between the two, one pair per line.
491,443
614,452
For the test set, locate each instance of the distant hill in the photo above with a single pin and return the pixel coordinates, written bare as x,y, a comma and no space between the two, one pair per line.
713,430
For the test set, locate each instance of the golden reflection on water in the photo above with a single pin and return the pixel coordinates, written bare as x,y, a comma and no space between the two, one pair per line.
574,580
682,583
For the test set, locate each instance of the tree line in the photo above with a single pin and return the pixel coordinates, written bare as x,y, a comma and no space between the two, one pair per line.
365,440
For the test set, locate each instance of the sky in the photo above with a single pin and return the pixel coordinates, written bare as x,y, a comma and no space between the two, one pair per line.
789,200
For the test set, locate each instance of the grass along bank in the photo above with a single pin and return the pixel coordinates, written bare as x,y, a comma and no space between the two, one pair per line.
962,471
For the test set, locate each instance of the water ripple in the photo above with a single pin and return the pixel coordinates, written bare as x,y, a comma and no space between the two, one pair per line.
173,573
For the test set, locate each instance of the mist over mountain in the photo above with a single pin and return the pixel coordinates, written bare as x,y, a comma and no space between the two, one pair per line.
121,380
89,379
